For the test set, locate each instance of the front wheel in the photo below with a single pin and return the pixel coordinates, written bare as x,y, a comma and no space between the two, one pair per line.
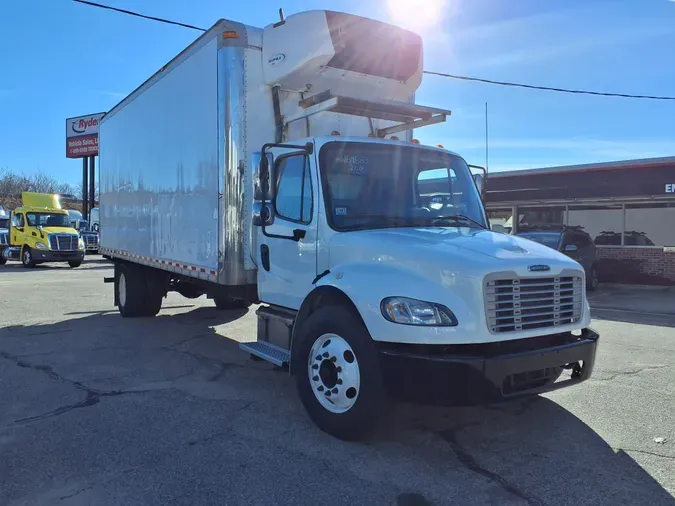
3,260
75,263
338,373
27,258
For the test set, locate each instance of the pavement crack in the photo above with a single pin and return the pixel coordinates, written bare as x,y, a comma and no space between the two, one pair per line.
645,452
93,395
610,376
469,461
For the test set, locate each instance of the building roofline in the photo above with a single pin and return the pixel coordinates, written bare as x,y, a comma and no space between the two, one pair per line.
622,164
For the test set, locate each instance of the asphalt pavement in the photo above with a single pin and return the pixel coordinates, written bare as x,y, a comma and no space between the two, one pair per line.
96,409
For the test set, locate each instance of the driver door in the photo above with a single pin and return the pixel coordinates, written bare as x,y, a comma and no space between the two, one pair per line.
17,227
287,267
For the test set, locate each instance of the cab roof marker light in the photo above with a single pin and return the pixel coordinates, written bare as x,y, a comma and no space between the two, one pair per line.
394,138
415,141
335,132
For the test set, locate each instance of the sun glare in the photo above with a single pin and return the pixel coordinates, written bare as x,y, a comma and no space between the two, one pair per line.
415,14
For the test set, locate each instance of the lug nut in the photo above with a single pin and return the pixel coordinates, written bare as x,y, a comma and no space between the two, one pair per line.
339,381
325,354
335,390
320,389
333,359
315,366
315,378
328,393
318,357
339,369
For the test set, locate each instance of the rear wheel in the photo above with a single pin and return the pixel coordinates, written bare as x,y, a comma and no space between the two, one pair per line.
137,295
3,260
75,263
338,373
27,258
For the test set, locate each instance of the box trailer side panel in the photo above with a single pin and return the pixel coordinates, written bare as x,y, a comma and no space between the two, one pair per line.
161,171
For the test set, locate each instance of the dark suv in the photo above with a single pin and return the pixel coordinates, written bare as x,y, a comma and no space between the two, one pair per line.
575,243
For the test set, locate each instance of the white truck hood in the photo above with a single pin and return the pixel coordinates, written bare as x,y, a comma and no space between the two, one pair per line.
471,251
450,266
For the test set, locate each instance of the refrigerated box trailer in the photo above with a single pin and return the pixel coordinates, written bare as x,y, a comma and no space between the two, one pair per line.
277,167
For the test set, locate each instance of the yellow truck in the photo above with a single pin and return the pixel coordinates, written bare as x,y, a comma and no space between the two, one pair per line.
40,231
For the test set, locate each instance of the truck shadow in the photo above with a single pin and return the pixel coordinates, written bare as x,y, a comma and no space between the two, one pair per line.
529,451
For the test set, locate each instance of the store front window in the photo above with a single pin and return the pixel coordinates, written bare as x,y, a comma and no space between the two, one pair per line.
603,223
649,225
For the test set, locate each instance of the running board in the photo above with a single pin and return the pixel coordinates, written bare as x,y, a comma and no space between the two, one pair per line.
269,352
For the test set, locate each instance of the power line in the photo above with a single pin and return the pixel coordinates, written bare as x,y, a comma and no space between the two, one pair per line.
132,13
429,72
548,88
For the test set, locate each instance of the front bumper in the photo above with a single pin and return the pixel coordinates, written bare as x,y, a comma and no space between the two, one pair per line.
479,373
57,256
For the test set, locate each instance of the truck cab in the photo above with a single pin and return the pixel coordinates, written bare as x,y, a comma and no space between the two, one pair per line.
40,231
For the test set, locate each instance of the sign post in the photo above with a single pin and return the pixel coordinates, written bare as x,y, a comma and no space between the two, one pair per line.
82,142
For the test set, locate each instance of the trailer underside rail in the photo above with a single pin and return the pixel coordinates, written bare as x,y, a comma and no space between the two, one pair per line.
410,116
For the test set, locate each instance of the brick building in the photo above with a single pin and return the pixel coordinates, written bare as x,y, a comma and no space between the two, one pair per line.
627,207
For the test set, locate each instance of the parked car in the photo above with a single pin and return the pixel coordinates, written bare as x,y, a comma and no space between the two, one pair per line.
574,243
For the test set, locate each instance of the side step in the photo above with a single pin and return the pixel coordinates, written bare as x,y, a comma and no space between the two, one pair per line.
269,352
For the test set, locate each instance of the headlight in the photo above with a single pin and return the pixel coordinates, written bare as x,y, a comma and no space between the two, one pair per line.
416,312
80,243
40,245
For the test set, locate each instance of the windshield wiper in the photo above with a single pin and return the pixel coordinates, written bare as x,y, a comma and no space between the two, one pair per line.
458,217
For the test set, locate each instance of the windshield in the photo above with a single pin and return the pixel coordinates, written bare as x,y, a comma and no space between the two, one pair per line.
547,239
48,220
369,185
83,225
4,222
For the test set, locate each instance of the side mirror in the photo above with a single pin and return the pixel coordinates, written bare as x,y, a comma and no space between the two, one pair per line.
261,175
570,248
480,183
96,227
479,179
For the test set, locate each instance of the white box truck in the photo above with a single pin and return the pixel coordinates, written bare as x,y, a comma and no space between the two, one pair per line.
264,166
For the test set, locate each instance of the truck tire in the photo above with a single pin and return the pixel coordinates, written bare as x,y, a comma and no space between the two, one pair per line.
135,296
3,260
338,373
225,303
27,259
75,263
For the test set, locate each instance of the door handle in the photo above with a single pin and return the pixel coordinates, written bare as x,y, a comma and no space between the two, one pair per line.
299,234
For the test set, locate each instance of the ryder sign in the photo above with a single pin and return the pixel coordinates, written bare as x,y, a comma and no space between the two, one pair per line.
82,136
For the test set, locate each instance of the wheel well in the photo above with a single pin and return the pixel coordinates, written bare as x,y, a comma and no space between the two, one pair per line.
318,298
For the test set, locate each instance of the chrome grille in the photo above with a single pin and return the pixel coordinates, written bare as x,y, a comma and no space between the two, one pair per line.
4,239
514,304
63,242
91,240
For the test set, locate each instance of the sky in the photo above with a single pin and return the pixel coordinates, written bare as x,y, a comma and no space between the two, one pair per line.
61,59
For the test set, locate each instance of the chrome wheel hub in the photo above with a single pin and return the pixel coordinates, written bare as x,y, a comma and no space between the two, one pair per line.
334,374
